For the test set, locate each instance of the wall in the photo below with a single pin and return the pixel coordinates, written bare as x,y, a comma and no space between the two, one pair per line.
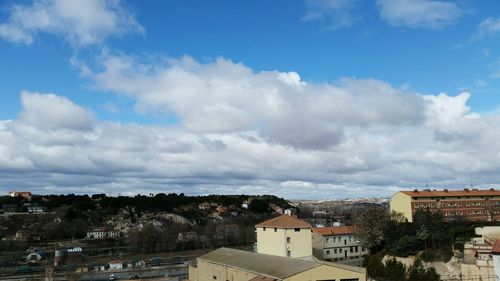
401,203
274,242
207,271
326,272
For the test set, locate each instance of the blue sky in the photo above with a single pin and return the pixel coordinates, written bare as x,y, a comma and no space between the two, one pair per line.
408,49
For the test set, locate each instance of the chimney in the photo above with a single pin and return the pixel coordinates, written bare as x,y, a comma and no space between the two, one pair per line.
428,190
445,190
492,189
415,190
466,189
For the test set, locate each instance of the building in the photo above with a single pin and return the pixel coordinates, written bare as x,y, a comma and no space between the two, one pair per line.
285,236
10,208
496,259
337,243
472,204
478,261
104,232
24,194
237,265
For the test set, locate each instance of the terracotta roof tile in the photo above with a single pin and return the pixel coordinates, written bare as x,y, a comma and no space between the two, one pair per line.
334,230
442,193
285,221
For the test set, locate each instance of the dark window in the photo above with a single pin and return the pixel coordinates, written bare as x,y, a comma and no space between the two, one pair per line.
275,229
297,229
288,240
264,229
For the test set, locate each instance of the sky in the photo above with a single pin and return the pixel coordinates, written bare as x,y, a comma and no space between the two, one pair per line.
304,99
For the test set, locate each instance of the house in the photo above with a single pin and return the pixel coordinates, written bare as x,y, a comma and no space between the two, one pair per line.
10,208
285,236
472,204
337,243
115,264
237,265
24,194
104,232
205,206
478,261
35,208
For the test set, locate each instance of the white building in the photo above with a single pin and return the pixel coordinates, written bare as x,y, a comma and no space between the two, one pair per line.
478,260
337,243
103,233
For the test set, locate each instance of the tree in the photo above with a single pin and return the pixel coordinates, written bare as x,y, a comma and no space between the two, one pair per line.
418,272
371,226
394,270
423,234
259,206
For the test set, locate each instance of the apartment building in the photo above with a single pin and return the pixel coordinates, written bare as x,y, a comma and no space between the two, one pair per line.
337,243
472,204
285,236
105,232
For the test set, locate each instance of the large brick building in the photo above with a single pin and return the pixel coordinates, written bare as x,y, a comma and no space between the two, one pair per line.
472,204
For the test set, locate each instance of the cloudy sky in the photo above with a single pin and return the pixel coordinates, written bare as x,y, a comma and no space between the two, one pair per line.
303,99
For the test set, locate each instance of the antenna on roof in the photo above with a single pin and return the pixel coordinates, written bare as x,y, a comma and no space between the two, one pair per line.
471,186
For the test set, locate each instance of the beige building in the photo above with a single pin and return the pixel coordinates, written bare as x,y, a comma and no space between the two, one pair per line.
472,204
235,265
284,236
337,243
478,261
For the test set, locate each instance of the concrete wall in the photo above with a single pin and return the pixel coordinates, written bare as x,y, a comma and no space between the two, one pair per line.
326,272
401,203
496,264
207,271
273,241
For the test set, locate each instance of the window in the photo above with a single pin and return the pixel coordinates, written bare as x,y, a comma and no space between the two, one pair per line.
288,240
297,229
334,251
288,253
326,240
275,229
214,277
351,249
327,252
345,241
340,250
264,229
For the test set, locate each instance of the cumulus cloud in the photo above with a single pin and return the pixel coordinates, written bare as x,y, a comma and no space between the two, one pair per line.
336,13
432,14
49,111
297,139
223,96
79,22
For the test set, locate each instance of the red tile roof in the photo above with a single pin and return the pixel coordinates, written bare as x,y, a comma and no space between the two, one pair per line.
285,221
496,247
448,193
334,230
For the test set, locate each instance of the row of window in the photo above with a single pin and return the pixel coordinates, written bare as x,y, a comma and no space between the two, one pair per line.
451,205
276,229
338,239
353,249
461,213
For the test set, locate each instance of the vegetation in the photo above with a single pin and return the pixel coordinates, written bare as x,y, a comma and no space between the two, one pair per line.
393,270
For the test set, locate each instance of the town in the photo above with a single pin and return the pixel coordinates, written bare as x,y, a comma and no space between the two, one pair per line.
439,234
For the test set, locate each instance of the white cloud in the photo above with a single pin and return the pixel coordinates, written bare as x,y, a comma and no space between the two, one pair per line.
489,27
335,13
432,14
282,136
79,22
223,96
48,111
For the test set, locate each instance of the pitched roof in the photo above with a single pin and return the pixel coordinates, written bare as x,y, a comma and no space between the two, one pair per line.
448,193
496,247
334,230
285,221
261,264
